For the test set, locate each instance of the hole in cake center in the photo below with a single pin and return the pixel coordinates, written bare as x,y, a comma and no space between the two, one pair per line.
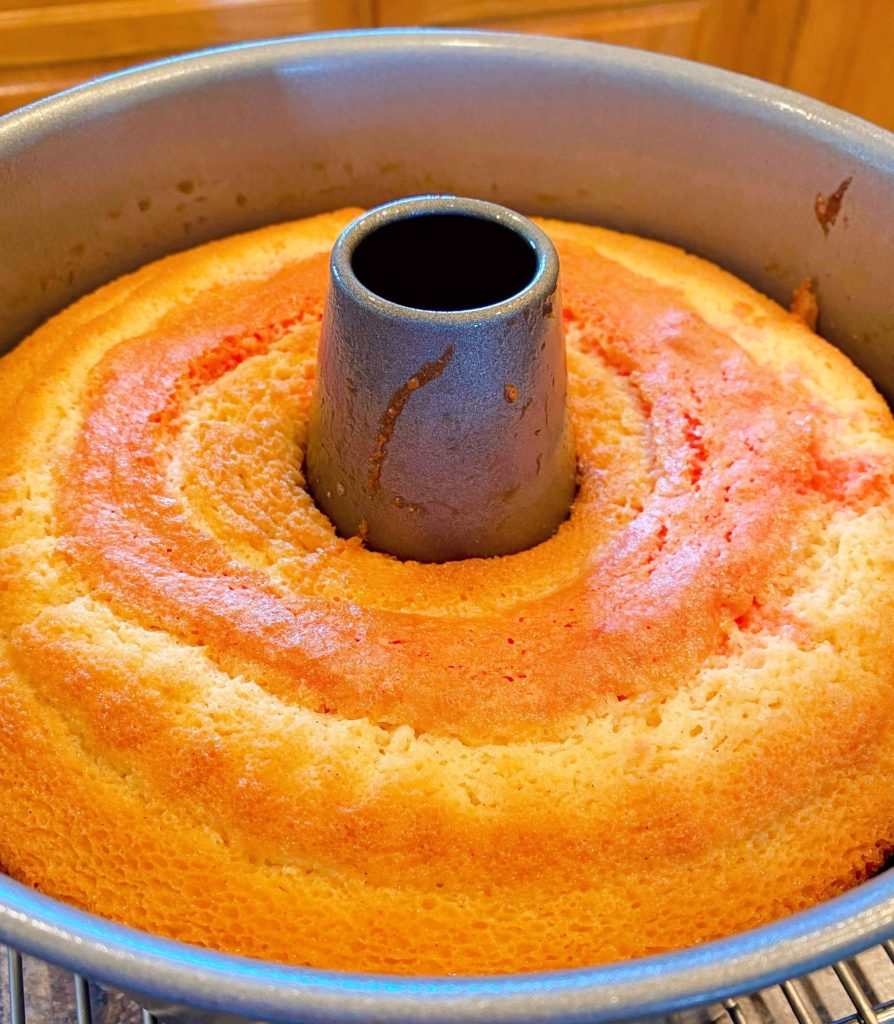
445,262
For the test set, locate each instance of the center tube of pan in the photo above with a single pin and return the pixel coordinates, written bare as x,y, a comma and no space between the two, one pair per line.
439,427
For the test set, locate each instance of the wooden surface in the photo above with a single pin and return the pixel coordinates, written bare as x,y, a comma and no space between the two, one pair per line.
55,33
48,45
845,56
671,28
837,50
841,51
754,37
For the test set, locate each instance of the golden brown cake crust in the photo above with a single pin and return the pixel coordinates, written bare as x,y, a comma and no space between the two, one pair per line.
223,723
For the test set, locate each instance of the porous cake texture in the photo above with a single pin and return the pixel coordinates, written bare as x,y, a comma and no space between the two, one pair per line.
221,722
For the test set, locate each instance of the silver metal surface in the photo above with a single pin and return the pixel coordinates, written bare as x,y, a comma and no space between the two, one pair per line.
16,987
438,429
818,998
858,996
161,158
82,999
799,1003
105,177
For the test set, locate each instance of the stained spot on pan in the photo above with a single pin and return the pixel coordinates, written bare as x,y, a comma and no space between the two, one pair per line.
828,207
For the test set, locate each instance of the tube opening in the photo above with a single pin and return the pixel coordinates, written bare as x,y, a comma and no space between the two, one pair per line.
445,262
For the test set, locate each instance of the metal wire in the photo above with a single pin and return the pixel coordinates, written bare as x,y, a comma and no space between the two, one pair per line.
806,998
855,991
804,1011
859,991
16,987
735,1010
82,1000
868,990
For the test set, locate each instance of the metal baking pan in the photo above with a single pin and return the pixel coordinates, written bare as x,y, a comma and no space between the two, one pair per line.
108,176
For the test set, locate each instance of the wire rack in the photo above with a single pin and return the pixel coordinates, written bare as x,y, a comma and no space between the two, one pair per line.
35,992
855,991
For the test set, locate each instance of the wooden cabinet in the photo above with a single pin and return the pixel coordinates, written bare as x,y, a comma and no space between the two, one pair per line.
837,50
682,28
48,45
672,28
845,56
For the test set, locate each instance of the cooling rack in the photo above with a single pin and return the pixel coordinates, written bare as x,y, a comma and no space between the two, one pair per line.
36,992
855,991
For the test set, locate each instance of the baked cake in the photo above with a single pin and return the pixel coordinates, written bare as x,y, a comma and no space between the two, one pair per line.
221,722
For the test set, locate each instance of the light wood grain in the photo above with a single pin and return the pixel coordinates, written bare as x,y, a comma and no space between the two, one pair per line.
60,32
837,50
754,37
454,12
845,56
19,86
671,28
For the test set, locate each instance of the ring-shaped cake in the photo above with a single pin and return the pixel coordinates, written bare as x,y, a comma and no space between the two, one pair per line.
222,722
